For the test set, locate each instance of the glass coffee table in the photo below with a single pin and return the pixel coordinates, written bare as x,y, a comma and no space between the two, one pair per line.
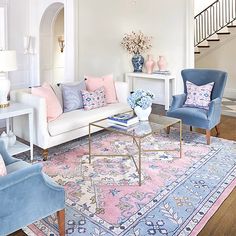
138,132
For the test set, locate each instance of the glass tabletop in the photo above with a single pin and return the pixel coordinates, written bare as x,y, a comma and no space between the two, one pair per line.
140,129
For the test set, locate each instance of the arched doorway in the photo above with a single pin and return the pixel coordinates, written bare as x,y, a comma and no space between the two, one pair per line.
50,56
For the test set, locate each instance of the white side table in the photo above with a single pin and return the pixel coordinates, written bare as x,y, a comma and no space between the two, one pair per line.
18,109
167,79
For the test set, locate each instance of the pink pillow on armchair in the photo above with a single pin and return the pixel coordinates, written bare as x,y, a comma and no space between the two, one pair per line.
3,170
93,83
54,108
198,96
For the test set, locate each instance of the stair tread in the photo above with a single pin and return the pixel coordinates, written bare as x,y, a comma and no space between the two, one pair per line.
196,52
213,39
231,26
223,33
203,46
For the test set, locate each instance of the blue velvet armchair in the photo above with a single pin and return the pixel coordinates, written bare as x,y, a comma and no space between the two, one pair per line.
197,117
27,195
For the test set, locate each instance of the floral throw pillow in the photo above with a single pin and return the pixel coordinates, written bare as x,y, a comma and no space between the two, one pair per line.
92,100
3,170
198,96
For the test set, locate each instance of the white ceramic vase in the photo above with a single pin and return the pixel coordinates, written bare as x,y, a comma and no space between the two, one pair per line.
4,137
11,138
142,114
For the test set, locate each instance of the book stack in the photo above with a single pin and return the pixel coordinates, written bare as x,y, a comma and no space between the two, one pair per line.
123,119
162,72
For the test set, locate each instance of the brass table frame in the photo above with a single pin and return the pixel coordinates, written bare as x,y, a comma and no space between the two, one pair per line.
138,141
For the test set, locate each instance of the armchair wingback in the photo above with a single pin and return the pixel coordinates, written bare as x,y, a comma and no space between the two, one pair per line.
27,195
197,117
204,76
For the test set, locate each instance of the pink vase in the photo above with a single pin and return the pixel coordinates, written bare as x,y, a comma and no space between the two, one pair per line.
149,64
161,63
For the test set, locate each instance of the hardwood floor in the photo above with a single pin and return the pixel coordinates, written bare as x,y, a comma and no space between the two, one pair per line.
222,223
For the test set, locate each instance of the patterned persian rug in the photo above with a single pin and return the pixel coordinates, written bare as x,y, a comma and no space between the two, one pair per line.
177,196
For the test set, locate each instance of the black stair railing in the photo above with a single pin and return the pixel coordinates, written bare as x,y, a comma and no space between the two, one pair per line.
214,18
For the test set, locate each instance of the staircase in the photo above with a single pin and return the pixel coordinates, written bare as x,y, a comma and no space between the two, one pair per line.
214,25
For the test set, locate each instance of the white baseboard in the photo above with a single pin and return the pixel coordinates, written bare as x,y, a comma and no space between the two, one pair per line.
230,93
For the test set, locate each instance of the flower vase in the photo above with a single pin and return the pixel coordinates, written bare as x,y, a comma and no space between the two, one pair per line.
149,64
142,114
161,63
137,61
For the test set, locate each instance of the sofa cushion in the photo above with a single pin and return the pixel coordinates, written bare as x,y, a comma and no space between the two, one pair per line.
72,97
93,83
80,118
54,108
3,170
92,100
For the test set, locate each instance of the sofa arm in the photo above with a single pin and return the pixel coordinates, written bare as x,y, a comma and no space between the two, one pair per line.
122,91
21,128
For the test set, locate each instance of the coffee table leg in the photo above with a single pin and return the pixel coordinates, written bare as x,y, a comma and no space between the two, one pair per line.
139,160
89,144
180,137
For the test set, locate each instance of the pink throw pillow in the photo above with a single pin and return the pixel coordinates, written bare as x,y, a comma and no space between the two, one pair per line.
3,170
92,100
93,83
54,108
198,96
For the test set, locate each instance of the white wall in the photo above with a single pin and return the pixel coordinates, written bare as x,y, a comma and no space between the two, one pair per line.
101,26
103,23
200,5
24,19
3,22
222,58
18,27
58,57
48,43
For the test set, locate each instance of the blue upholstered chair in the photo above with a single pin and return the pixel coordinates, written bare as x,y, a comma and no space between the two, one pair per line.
197,117
27,195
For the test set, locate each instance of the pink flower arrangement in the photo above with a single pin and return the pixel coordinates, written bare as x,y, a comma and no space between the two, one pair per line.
136,42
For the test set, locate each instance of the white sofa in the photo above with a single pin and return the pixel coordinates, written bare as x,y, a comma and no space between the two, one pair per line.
66,127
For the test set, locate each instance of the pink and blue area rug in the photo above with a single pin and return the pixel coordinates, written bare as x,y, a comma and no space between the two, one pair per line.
177,196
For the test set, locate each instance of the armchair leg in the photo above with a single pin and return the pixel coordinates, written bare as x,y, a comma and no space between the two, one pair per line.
191,128
45,154
208,136
168,129
61,222
217,127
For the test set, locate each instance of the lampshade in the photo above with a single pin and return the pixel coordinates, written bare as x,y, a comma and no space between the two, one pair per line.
7,61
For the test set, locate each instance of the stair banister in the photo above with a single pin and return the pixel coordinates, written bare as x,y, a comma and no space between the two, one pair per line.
214,18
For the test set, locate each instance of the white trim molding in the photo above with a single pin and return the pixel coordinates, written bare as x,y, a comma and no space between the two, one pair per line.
70,39
189,60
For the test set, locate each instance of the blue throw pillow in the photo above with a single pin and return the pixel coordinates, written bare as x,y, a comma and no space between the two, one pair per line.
72,97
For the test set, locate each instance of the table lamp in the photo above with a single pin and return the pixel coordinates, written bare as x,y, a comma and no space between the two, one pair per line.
7,63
